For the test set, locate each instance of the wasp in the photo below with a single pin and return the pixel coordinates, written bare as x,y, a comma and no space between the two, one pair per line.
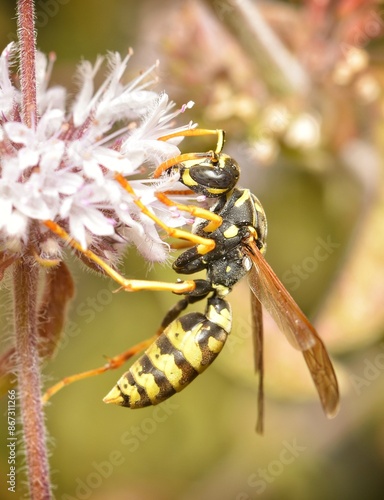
228,242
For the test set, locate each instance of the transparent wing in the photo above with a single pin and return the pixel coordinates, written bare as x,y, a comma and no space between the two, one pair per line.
258,345
293,323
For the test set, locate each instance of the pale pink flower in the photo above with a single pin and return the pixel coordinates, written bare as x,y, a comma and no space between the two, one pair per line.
63,169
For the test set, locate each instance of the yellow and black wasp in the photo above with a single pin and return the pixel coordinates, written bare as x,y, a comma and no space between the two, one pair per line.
228,243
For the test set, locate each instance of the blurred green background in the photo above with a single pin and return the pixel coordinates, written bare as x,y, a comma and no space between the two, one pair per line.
298,88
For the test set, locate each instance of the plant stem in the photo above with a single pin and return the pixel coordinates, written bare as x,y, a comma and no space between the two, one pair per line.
27,40
25,279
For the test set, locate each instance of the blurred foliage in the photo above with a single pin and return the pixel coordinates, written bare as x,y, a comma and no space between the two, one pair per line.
298,88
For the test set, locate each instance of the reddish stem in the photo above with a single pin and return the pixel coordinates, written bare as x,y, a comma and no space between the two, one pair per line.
25,282
27,41
25,286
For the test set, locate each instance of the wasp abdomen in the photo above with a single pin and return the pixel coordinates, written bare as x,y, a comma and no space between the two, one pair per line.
185,349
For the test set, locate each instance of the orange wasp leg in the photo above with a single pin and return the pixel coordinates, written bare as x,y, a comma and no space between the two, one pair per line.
195,211
127,284
215,220
204,245
111,364
190,156
121,358
196,132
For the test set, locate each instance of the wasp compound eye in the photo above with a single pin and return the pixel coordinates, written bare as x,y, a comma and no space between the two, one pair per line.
212,178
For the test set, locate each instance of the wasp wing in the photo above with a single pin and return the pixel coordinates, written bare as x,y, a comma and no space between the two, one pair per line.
258,345
293,323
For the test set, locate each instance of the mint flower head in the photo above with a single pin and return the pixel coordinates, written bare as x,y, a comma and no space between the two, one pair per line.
63,168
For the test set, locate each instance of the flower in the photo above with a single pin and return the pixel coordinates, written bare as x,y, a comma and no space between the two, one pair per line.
63,169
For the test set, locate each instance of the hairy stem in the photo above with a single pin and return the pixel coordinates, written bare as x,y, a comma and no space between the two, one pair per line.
27,40
25,290
25,279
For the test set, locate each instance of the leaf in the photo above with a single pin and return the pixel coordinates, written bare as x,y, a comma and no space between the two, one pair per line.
58,291
7,367
5,262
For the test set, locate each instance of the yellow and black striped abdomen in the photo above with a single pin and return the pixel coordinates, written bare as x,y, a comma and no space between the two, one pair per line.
185,349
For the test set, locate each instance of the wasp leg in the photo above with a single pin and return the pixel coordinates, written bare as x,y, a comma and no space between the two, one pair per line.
166,165
202,288
190,156
202,213
111,364
204,245
180,245
215,220
195,132
127,284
